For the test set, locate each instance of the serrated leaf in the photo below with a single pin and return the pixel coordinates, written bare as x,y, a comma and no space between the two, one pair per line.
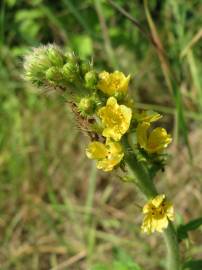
182,231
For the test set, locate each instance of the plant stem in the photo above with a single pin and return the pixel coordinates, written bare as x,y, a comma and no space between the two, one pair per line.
146,185
173,259
142,178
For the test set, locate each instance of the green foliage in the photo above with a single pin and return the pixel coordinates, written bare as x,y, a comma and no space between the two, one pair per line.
183,230
193,265
29,23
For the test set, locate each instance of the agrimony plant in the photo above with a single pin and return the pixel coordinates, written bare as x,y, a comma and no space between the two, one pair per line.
121,136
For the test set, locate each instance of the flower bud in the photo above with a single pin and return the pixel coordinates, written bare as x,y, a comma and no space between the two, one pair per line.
54,74
55,56
86,106
71,57
91,79
36,64
71,71
85,67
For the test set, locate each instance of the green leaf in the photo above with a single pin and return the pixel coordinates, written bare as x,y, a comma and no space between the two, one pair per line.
193,265
182,231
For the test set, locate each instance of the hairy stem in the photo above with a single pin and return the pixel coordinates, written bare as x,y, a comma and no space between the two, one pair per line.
146,185
173,257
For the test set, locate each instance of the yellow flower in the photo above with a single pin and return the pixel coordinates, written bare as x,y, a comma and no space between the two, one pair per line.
115,118
158,212
153,142
107,155
147,116
113,83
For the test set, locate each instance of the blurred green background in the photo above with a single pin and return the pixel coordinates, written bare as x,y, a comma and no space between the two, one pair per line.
56,211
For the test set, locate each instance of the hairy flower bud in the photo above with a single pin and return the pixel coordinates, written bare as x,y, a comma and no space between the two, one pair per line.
55,56
71,71
91,79
36,64
86,106
54,74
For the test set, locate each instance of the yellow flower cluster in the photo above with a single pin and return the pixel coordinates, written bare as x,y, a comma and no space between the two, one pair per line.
116,118
115,121
158,212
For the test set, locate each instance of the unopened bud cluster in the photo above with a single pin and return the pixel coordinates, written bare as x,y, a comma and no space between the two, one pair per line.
48,65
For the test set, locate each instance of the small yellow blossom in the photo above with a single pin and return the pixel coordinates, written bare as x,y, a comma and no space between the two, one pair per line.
158,212
113,83
147,116
153,142
115,118
107,155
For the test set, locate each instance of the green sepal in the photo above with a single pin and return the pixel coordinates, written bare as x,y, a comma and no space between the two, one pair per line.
54,74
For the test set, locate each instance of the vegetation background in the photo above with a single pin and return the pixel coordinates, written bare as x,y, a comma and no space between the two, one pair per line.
56,211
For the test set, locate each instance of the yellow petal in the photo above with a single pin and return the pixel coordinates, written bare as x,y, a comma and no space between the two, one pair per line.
127,115
108,164
158,211
113,133
142,130
157,201
147,225
96,150
115,148
158,140
161,224
113,83
115,119
147,116
170,211
107,155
